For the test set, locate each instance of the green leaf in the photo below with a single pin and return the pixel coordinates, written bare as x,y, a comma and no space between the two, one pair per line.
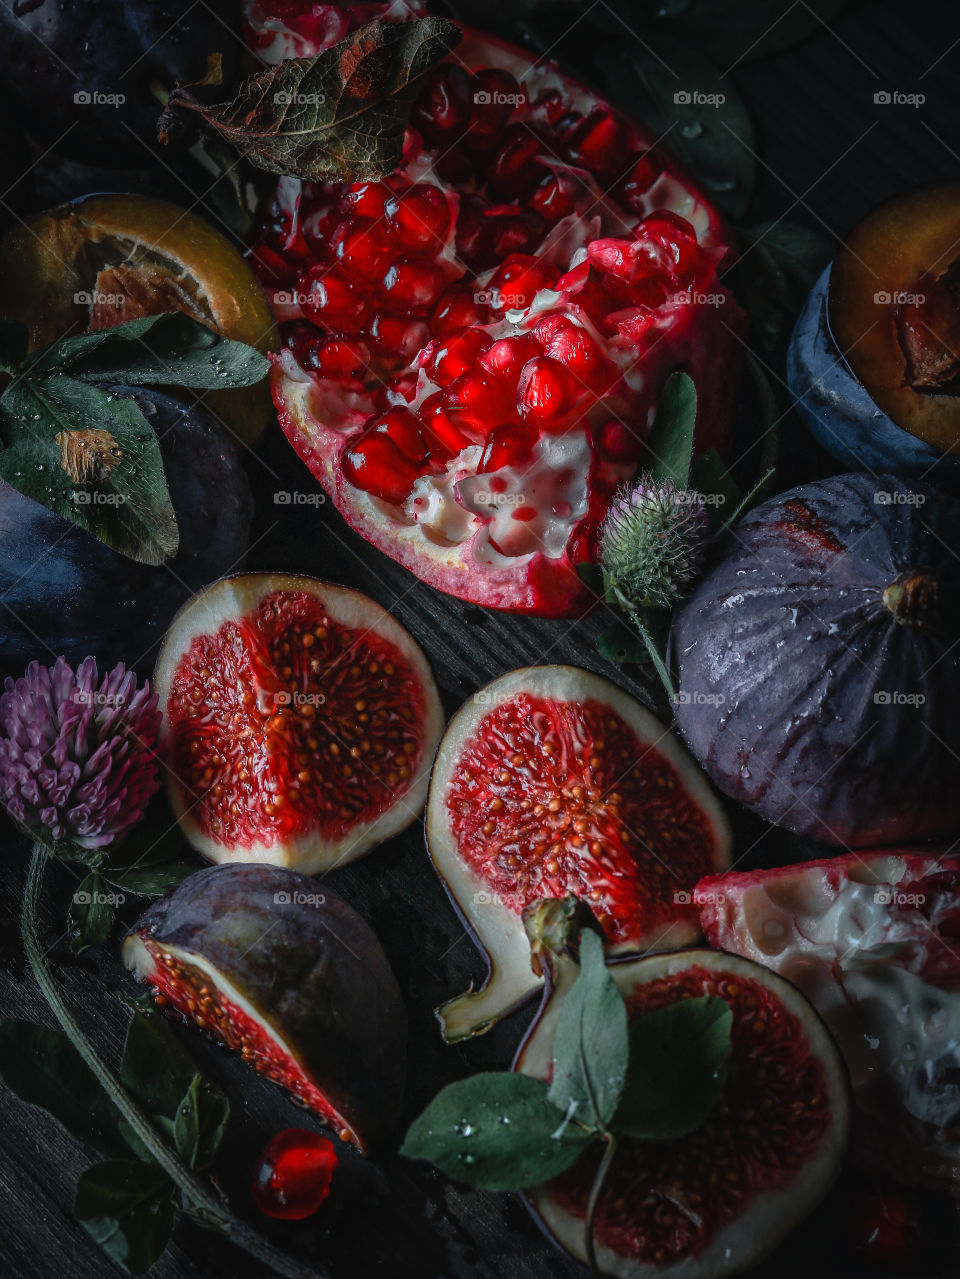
137,1240
92,458
669,445
778,265
339,115
150,881
43,1068
496,1130
14,340
679,1059
156,1067
591,1046
200,1122
115,1187
90,915
592,577
621,644
698,113
155,350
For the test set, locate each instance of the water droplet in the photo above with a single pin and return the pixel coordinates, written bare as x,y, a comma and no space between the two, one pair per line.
936,1023
463,1128
692,130
719,184
39,466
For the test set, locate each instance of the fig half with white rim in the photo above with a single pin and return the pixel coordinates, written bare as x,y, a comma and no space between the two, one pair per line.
549,781
300,721
720,1199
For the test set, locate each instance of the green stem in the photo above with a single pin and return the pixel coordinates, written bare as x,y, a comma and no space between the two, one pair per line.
659,665
596,1190
204,1204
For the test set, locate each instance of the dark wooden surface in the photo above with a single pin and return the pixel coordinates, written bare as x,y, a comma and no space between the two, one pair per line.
829,154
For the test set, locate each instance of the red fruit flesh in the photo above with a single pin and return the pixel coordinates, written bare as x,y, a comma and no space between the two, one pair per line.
553,781
499,202
293,1174
299,718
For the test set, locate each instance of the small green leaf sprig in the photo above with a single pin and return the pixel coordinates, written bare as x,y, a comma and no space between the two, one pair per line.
655,1077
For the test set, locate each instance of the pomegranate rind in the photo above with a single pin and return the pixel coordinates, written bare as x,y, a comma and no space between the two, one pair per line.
306,968
496,929
771,1215
237,597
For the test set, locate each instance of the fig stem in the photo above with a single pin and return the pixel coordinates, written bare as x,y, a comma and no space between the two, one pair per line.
204,1204
610,1149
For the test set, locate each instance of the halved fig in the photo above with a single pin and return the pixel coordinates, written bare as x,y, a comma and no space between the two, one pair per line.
871,940
722,1198
894,310
292,977
550,781
299,722
105,259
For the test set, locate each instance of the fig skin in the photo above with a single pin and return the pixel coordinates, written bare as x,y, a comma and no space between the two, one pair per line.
61,582
311,966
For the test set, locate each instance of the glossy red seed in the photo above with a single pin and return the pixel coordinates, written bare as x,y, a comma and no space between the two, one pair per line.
374,463
442,437
601,144
329,298
507,356
399,389
884,1230
457,309
619,441
413,285
361,247
514,229
496,95
397,335
519,280
455,355
399,424
475,403
510,445
645,170
474,234
514,170
365,198
577,351
554,198
547,393
293,1174
418,217
442,109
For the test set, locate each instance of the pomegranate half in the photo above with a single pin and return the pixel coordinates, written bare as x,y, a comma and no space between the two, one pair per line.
549,781
292,978
299,722
721,1199
474,348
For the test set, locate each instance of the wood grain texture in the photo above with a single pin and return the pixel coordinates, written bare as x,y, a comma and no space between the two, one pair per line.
829,156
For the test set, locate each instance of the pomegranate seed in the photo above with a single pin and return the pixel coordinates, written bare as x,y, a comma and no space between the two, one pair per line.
618,441
553,198
293,1174
399,389
302,339
365,199
373,463
343,355
646,169
361,247
419,217
507,446
577,351
495,96
476,403
674,243
885,1231
397,334
506,357
413,285
319,225
457,309
551,105
514,230
519,280
474,234
455,355
330,299
399,424
442,110
546,392
514,169
273,269
599,144
443,438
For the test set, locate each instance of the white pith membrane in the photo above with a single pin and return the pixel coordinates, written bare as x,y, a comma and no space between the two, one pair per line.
143,965
874,950
769,1215
497,928
442,531
235,598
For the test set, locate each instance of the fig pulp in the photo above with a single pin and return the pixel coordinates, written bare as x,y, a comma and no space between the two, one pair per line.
300,722
290,976
554,781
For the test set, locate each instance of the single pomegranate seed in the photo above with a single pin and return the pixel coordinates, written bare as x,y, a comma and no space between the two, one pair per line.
397,335
600,143
506,357
365,199
646,169
442,437
361,247
343,355
457,309
413,285
419,217
551,106
519,280
399,424
373,463
455,355
319,224
507,446
553,198
576,350
474,234
442,110
399,389
475,403
884,1230
618,441
302,339
329,298
514,229
273,269
515,171
496,94
673,244
293,1174
546,392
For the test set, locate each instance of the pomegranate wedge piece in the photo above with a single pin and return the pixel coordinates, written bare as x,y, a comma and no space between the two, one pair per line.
299,720
552,781
473,349
872,940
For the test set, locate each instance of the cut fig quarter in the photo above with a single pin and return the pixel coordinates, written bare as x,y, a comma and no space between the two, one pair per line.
550,781
300,721
721,1199
290,976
